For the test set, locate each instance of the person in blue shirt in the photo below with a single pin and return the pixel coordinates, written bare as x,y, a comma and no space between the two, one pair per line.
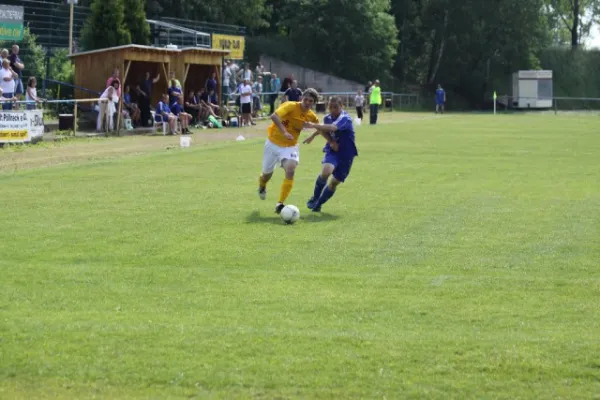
174,92
178,110
340,151
440,99
164,114
275,86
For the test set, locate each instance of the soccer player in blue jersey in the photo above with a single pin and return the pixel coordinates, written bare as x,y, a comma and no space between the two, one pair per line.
340,151
440,99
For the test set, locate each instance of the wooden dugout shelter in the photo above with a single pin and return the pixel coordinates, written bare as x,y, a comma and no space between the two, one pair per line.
192,66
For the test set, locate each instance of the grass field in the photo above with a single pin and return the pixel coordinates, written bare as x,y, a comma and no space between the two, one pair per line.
460,260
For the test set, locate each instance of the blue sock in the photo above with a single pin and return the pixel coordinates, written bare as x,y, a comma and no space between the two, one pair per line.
319,185
326,195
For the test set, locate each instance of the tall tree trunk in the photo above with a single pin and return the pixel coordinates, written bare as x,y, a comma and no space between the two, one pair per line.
440,53
575,27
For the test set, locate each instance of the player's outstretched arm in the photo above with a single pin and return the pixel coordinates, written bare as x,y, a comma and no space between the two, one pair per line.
321,127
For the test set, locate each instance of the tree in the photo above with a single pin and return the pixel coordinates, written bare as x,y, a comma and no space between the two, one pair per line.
135,21
248,13
353,39
106,26
576,16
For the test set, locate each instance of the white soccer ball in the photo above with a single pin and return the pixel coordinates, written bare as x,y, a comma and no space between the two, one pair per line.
357,121
290,214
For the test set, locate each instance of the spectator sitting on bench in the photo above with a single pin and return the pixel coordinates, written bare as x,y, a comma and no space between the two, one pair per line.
213,101
205,103
192,106
164,114
184,118
134,110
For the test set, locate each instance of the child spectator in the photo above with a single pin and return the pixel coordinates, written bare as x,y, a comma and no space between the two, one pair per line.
359,102
257,90
31,94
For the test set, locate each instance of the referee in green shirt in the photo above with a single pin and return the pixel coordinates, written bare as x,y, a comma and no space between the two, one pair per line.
374,102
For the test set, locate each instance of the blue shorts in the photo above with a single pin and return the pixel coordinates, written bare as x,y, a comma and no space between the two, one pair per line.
160,118
19,86
341,164
439,103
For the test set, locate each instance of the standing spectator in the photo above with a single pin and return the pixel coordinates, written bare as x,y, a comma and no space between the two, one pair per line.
374,102
3,55
440,99
174,92
6,99
144,91
285,85
257,90
211,83
293,93
172,78
31,94
7,84
259,70
164,114
275,86
114,77
107,105
246,101
226,82
17,66
246,73
233,83
368,87
359,102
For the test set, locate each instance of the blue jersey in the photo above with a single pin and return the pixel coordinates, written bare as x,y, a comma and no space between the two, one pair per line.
440,96
344,136
176,108
162,108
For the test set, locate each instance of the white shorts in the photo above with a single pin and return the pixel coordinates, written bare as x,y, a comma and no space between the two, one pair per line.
274,155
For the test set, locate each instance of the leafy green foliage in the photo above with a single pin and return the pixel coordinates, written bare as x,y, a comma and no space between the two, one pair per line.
135,21
106,26
248,13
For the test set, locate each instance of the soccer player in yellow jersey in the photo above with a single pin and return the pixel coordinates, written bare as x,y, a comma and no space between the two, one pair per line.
281,146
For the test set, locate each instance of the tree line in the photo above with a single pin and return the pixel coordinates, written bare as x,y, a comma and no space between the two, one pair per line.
470,46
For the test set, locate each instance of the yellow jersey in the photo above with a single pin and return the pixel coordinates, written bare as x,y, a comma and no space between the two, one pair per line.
293,118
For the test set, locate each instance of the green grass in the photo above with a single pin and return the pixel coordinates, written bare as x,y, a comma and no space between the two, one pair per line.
460,260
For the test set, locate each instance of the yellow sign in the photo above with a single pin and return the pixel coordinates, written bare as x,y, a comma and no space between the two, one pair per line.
10,135
235,44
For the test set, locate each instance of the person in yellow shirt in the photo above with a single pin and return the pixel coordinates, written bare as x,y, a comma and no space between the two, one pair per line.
374,102
281,146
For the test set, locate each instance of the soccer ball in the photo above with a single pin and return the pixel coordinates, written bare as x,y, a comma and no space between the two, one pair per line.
290,214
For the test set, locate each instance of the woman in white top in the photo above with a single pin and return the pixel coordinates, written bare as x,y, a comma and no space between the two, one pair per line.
246,73
7,84
31,94
107,105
